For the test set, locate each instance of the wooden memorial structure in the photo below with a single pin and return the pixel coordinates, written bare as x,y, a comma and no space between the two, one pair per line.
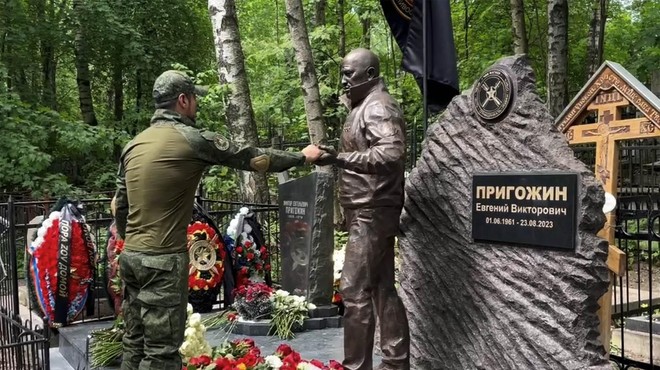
596,115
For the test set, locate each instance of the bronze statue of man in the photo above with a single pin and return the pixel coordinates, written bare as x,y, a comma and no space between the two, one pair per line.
371,161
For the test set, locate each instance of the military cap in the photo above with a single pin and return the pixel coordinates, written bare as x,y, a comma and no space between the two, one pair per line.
170,84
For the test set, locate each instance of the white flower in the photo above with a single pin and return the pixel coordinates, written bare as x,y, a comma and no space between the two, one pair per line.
282,293
244,210
55,215
231,229
189,309
247,228
273,361
46,225
37,242
311,306
190,332
195,319
297,299
339,256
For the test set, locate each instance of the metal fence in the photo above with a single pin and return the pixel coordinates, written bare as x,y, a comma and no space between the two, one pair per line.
24,342
636,294
24,336
22,219
23,345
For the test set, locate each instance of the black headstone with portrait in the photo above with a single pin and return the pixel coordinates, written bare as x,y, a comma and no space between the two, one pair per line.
501,264
306,237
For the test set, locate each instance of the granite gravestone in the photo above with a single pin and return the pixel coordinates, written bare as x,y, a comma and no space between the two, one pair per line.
514,283
306,237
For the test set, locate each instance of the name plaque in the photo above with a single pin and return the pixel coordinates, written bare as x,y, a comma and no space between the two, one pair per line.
531,208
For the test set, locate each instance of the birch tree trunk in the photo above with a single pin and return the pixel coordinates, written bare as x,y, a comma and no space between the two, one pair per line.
310,85
519,30
82,68
239,113
557,82
596,35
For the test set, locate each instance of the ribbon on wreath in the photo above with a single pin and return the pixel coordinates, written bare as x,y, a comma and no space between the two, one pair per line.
62,265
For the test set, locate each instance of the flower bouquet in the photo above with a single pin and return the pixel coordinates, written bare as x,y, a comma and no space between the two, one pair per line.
114,248
253,301
243,354
289,313
61,264
248,249
105,346
194,344
207,255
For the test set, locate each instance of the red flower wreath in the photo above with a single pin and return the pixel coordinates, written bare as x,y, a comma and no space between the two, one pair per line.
197,231
44,262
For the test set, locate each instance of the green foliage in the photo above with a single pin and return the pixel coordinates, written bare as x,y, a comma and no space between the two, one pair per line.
130,42
341,238
638,250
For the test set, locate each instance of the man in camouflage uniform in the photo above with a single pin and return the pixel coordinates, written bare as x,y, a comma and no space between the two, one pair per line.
158,175
371,162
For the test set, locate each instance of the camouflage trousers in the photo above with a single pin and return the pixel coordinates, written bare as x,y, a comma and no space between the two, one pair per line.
154,308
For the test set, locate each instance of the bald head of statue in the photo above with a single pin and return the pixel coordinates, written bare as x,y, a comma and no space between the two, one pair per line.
357,67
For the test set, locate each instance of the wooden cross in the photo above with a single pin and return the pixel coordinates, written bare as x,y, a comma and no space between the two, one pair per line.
606,133
606,93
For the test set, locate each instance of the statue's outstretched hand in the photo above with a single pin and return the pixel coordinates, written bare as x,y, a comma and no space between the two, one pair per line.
329,156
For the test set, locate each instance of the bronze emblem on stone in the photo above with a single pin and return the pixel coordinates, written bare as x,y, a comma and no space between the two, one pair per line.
493,94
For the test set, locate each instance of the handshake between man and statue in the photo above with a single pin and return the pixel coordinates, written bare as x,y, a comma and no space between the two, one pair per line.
159,172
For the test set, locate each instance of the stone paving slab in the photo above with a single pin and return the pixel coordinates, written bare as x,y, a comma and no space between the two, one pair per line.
323,345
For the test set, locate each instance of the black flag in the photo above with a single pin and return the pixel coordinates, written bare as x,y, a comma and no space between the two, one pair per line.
405,20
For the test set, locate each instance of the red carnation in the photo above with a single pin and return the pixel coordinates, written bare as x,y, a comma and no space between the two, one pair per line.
334,365
250,256
223,363
283,350
258,266
317,363
248,342
292,358
239,250
202,360
267,267
263,250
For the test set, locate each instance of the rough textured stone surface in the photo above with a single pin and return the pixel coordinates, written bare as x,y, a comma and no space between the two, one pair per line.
483,306
321,266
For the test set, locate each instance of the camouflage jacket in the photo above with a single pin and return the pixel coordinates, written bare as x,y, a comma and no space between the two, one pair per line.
160,170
